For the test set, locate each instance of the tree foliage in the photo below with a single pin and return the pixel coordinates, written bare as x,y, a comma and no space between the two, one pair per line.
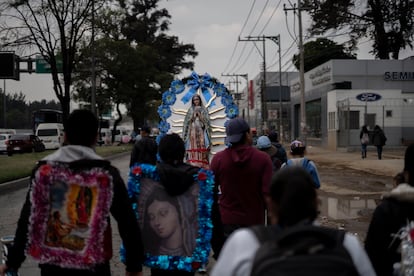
51,28
320,51
389,24
136,57
18,112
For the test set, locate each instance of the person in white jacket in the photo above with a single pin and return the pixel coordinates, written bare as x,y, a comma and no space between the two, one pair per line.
292,201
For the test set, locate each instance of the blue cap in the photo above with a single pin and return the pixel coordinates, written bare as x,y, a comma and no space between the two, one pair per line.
263,142
235,129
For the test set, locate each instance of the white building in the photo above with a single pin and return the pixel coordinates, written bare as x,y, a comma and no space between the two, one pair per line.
343,95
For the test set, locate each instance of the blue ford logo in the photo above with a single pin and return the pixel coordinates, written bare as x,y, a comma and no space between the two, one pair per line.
368,97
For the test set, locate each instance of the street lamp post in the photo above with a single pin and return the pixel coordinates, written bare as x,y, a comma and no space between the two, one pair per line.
276,39
4,104
93,73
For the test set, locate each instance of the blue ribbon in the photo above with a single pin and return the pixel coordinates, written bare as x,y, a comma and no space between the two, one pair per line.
195,83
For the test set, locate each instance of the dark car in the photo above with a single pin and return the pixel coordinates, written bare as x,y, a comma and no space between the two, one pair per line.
24,143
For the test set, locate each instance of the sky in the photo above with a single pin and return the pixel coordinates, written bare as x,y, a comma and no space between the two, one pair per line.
214,27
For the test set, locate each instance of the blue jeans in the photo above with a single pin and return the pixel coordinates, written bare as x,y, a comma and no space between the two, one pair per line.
364,150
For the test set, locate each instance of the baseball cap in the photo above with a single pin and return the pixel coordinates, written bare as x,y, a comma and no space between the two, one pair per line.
263,142
235,129
297,147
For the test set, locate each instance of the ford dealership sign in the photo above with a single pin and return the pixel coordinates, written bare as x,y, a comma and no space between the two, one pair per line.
368,97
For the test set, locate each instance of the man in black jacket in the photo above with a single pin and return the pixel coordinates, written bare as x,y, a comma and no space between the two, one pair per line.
65,220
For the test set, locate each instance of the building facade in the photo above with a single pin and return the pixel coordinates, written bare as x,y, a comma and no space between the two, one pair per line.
343,95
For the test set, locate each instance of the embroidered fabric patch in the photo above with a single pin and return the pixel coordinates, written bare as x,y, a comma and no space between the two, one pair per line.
69,215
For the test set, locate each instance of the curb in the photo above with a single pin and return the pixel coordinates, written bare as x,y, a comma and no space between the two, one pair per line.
14,185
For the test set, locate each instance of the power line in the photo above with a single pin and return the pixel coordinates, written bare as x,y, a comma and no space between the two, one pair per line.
260,16
271,16
235,45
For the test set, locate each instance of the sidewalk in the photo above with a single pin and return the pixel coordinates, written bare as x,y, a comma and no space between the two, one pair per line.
392,161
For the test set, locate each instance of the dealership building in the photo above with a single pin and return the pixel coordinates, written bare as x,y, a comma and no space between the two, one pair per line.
343,95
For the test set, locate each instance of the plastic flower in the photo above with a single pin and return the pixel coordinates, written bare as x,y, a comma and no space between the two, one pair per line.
137,170
226,99
164,126
103,180
168,98
177,86
219,89
164,111
412,234
232,110
45,170
202,176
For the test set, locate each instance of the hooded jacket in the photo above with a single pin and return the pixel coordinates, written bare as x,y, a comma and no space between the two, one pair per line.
243,175
393,213
81,157
176,179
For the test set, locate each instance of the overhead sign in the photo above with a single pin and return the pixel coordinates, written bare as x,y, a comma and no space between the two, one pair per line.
43,67
368,97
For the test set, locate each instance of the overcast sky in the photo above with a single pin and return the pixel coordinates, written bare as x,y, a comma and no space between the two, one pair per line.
214,27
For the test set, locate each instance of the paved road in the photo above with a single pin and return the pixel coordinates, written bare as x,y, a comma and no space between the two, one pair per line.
11,200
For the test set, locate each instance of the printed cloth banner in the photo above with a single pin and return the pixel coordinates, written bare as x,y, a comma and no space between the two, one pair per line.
176,230
69,215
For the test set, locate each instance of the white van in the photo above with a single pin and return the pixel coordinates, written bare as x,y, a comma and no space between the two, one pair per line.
51,135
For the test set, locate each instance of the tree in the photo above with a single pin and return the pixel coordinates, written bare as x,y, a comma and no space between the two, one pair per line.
320,51
145,25
389,24
55,28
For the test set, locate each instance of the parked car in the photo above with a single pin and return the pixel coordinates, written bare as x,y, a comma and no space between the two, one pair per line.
24,143
4,138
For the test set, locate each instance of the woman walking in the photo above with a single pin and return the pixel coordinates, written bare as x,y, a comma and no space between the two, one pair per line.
364,136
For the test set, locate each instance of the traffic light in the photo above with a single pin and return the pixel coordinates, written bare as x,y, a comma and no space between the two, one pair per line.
9,66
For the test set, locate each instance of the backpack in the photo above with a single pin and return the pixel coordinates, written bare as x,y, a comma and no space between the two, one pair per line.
365,138
281,153
309,168
301,250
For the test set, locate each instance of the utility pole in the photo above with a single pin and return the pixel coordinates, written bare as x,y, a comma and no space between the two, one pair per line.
301,70
4,105
93,71
237,89
276,39
264,84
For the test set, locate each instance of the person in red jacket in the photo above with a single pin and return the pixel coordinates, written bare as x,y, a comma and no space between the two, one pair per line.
243,174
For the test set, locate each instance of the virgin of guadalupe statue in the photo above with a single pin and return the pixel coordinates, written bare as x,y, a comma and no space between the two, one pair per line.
197,134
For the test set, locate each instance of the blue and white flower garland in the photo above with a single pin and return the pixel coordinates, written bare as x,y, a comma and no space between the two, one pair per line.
193,83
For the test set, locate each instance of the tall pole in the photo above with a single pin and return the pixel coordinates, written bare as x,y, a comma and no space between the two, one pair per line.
280,92
264,107
4,104
93,73
246,76
302,76
263,85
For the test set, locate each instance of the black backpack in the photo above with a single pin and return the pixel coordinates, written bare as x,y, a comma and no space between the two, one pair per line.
301,250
